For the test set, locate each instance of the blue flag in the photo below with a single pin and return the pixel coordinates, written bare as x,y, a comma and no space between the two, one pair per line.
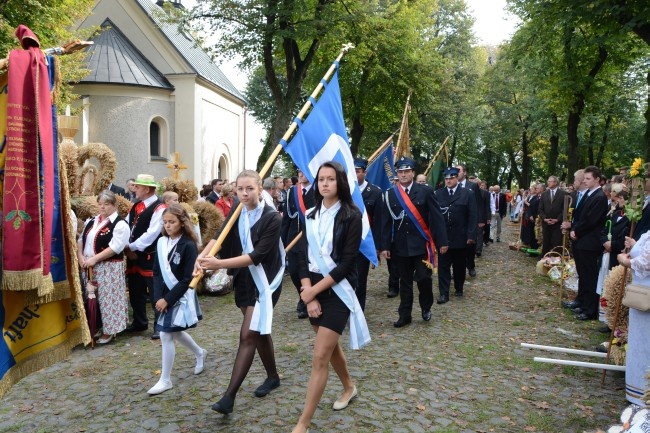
382,169
321,138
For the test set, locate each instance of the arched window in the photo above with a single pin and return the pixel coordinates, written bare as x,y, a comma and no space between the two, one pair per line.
158,139
154,139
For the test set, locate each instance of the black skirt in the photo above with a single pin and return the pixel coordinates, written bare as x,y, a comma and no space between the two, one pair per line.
246,293
335,313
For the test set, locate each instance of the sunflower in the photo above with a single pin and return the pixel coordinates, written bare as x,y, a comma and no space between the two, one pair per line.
636,167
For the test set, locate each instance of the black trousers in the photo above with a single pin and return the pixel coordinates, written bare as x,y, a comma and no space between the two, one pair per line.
393,274
141,291
456,258
551,237
363,266
471,253
587,267
413,269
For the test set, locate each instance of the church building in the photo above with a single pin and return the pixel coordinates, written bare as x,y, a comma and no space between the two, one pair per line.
152,91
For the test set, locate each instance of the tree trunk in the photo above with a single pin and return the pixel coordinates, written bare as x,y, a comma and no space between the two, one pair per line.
356,132
590,143
554,151
278,129
601,148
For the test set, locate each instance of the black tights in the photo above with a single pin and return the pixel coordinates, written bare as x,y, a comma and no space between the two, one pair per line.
249,341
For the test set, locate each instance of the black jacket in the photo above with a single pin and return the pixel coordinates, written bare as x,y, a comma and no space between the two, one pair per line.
407,239
620,229
292,226
346,242
181,261
373,200
459,213
588,221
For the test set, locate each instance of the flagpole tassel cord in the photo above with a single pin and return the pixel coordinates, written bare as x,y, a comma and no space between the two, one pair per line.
273,156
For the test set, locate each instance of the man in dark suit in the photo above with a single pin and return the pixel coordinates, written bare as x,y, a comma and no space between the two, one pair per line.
473,188
588,220
117,190
299,199
373,201
415,222
216,191
458,207
551,207
498,206
393,269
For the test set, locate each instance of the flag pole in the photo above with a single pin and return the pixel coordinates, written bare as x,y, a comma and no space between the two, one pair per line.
269,162
426,172
403,140
381,148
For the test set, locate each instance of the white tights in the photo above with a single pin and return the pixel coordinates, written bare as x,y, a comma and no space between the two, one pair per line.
169,350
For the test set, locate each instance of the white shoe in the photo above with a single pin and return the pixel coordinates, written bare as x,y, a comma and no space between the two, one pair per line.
198,369
160,387
342,404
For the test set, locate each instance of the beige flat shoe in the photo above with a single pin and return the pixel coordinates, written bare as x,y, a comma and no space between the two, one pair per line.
342,404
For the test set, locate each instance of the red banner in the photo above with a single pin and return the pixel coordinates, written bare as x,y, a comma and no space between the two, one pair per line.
29,169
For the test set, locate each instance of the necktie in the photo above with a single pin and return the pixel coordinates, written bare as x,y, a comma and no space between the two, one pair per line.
552,195
304,192
580,194
451,193
462,185
406,190
139,208
496,201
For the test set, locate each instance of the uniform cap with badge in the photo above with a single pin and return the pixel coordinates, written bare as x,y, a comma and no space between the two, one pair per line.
405,163
360,163
450,172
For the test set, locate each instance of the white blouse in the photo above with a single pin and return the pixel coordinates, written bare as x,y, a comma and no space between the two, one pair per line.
120,235
324,220
640,257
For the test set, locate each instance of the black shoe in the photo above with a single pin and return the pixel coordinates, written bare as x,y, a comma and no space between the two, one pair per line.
491,240
601,349
583,316
224,406
498,240
303,314
478,254
443,299
392,294
426,315
472,272
269,385
570,304
458,293
604,329
402,321
155,335
301,306
577,310
134,328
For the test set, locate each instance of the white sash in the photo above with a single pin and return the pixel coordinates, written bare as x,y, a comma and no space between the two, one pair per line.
186,311
262,319
359,333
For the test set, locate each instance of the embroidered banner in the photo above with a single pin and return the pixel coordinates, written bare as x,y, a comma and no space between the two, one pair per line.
39,329
29,169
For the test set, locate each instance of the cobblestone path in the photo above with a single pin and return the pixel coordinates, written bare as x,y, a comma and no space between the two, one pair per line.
462,372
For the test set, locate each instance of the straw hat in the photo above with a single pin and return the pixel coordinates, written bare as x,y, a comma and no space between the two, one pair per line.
146,180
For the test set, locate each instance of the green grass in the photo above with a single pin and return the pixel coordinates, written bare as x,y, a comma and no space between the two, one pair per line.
541,421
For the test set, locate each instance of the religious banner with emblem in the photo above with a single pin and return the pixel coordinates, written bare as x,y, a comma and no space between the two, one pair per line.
41,324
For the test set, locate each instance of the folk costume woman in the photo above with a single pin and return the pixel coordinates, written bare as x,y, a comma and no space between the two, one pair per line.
101,248
253,254
637,360
177,304
328,275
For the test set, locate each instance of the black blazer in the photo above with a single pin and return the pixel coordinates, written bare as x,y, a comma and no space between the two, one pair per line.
292,226
503,205
407,239
554,209
483,214
346,241
373,200
181,262
620,229
590,220
533,207
212,197
265,235
459,213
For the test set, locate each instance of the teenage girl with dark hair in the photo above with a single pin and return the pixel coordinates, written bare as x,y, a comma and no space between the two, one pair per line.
328,276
